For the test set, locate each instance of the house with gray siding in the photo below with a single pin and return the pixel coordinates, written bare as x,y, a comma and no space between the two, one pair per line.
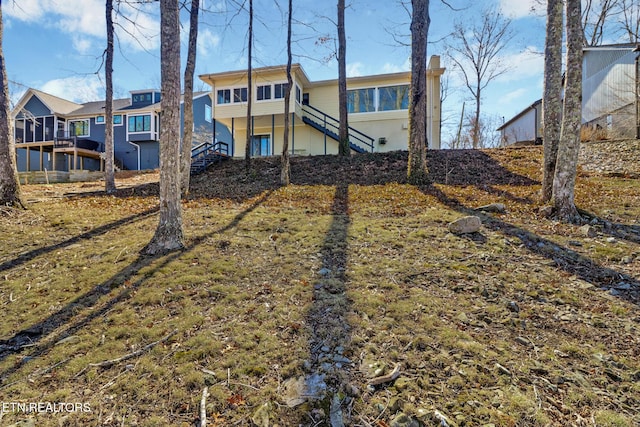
524,127
610,96
55,134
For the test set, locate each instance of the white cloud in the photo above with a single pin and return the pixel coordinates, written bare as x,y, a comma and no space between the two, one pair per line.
519,8
355,69
207,42
137,27
24,10
76,89
82,44
522,65
396,68
514,96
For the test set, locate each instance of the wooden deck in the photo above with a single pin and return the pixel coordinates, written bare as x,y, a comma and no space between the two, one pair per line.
55,147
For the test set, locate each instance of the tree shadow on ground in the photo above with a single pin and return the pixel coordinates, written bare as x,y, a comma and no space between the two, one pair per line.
28,256
36,340
327,317
229,180
628,232
615,282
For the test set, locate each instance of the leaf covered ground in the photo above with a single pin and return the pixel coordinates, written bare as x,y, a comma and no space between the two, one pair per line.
342,277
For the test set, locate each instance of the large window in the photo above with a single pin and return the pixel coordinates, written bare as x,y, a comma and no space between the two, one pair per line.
263,92
224,96
361,100
393,98
140,123
279,90
235,95
387,98
79,127
240,94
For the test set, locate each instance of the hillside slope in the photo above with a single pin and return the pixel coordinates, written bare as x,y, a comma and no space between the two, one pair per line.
347,282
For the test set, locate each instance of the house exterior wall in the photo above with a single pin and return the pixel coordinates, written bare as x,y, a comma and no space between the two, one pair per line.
389,129
609,90
522,128
35,107
143,153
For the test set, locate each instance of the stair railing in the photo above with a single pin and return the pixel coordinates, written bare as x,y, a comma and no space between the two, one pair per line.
333,125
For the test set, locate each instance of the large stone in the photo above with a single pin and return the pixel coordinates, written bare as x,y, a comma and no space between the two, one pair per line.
588,231
465,225
403,420
493,207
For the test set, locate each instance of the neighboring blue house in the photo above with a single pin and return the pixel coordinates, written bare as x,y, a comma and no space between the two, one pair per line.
55,134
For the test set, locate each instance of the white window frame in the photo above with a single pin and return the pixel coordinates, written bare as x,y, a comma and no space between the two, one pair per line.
151,124
240,101
270,98
378,97
298,93
283,84
104,121
232,95
80,120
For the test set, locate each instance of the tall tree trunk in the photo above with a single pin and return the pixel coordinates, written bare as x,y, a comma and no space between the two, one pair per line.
475,132
109,167
9,184
247,150
343,130
168,235
552,98
188,98
417,168
569,147
285,173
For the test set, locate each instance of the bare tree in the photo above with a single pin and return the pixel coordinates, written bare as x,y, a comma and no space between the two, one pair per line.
595,16
630,19
417,171
552,97
475,54
343,144
109,169
569,147
285,173
168,235
9,184
188,98
247,151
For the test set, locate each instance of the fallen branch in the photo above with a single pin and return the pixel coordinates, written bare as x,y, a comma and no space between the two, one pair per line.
203,407
108,363
386,378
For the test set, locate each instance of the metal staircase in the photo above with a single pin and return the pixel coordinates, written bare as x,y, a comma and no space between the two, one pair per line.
330,126
206,154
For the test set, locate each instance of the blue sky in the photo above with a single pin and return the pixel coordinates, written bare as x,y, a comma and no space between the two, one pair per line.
56,45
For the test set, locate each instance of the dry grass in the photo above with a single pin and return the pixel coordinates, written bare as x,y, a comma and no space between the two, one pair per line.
243,297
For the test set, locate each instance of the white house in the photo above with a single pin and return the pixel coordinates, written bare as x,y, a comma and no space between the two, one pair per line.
610,96
526,126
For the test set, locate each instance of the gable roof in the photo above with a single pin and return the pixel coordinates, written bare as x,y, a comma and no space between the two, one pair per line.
64,107
520,114
96,108
53,103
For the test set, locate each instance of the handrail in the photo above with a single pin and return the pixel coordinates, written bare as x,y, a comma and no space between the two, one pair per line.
205,147
334,124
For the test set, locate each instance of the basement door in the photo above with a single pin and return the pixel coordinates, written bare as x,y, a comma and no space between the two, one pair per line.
260,145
